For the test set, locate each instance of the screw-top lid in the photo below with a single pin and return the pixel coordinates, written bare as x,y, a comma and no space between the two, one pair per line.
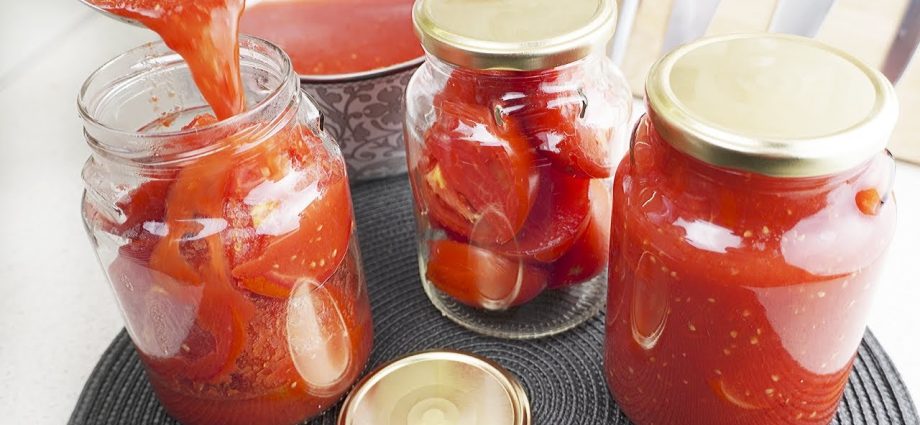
773,104
437,388
513,34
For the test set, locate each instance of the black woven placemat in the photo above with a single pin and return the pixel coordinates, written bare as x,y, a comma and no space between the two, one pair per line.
562,374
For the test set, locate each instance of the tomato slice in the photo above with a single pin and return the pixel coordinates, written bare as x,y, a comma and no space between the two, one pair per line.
481,278
550,115
548,107
265,161
479,179
313,251
588,255
558,216
146,203
192,253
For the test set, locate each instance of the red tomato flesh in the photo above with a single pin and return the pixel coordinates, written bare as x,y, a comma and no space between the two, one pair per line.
559,215
314,251
587,257
547,107
481,278
479,180
551,119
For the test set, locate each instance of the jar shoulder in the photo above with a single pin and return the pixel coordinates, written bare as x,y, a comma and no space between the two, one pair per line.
839,227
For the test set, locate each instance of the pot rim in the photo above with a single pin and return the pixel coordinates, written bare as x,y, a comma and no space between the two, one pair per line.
363,75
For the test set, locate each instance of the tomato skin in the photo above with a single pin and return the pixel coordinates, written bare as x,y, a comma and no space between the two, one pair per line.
558,217
587,257
146,203
477,180
481,278
574,147
547,106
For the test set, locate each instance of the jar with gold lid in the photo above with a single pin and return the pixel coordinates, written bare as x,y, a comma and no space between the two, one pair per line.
512,132
750,221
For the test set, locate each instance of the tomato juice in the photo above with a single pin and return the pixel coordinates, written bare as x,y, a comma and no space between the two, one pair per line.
326,37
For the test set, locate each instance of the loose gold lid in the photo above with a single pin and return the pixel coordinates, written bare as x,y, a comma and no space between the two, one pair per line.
437,388
773,104
513,34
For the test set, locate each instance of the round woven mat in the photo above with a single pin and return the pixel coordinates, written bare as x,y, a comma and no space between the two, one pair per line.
562,374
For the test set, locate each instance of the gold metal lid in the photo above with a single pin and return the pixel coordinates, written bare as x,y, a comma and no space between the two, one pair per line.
437,388
773,104
519,35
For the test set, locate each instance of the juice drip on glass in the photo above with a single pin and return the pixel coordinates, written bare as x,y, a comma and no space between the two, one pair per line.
205,34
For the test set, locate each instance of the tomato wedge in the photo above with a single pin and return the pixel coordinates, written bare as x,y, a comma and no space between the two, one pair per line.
558,217
479,179
192,254
588,255
481,278
551,118
547,106
313,251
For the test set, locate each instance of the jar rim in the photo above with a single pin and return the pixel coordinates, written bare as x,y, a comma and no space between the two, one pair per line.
467,366
150,52
793,149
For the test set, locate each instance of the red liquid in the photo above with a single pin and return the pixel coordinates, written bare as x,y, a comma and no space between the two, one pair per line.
336,36
737,298
239,321
204,33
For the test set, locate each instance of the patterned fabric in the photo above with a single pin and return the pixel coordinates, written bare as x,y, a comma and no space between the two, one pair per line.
562,374
366,118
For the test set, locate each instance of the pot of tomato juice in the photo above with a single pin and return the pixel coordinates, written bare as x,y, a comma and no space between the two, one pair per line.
354,58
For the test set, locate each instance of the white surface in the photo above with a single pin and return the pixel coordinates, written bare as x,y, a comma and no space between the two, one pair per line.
56,312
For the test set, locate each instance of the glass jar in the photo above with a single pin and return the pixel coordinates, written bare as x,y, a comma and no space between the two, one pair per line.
750,221
512,132
229,245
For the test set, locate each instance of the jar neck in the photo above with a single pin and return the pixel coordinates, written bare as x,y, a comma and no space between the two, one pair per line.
444,68
140,110
682,166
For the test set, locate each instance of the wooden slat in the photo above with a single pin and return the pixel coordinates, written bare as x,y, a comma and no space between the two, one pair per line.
863,28
742,16
905,43
800,17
